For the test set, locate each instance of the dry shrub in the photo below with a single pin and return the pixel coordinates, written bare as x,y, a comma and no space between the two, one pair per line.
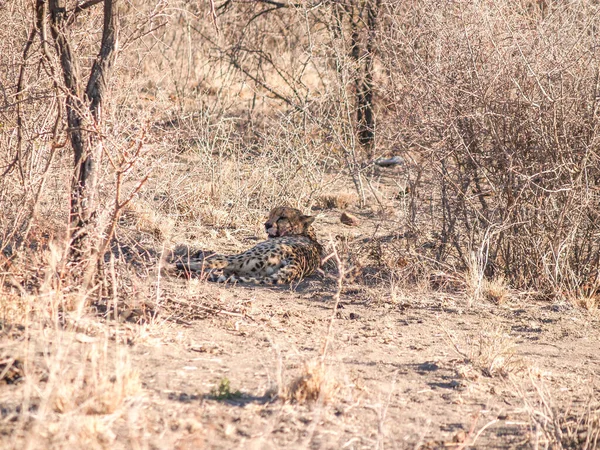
556,427
379,259
500,101
491,353
316,383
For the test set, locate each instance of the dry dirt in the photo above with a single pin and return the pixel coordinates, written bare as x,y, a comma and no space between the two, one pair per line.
402,382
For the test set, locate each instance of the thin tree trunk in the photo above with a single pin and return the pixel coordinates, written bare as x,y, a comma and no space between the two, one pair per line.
83,117
365,117
365,113
102,68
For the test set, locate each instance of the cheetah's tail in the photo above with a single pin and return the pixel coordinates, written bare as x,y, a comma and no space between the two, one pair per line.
198,265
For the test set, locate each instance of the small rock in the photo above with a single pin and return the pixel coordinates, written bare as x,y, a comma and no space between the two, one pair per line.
390,162
349,219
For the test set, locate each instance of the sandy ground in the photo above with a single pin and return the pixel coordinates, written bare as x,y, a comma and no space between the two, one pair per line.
427,372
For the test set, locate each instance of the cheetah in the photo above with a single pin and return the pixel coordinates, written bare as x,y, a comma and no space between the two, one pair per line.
291,253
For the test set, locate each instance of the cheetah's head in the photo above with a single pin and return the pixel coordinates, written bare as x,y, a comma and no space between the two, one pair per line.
284,221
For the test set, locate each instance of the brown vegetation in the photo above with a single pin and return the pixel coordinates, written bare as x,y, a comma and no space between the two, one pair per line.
133,131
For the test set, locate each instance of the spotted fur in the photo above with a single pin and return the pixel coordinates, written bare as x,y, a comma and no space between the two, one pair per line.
291,253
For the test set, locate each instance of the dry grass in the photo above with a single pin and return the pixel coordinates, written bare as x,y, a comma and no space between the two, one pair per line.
315,384
492,104
337,200
74,388
588,302
228,145
496,290
491,352
68,379
552,426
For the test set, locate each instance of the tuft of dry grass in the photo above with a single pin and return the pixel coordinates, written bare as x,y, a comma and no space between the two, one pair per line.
555,427
337,200
494,353
316,383
496,290
480,287
589,301
491,353
95,391
144,217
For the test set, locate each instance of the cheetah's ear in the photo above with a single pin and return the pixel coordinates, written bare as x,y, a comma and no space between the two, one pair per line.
307,220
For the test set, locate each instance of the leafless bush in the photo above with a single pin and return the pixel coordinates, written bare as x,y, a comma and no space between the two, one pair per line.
498,102
42,102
